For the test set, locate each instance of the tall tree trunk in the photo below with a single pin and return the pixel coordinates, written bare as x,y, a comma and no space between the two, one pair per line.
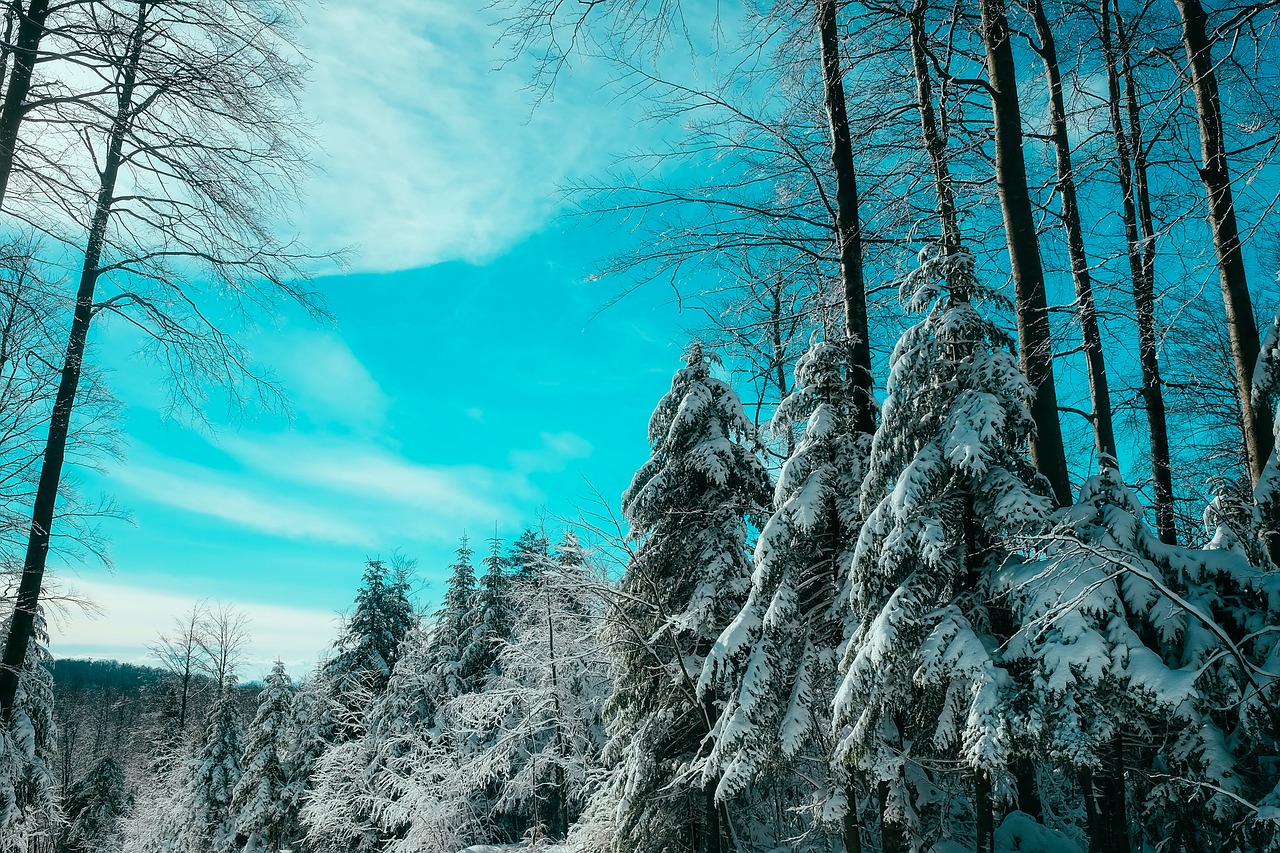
1086,312
711,809
1095,827
1141,251
935,142
852,277
31,29
28,600
848,226
1034,339
1216,175
1114,811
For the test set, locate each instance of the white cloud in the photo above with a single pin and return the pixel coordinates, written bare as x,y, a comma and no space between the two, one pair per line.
346,491
205,492
132,616
431,153
557,450
324,378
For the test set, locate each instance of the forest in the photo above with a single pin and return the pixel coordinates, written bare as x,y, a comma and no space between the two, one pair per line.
960,524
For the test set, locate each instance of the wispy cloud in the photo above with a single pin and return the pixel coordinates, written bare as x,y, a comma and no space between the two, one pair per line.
431,153
326,382
206,492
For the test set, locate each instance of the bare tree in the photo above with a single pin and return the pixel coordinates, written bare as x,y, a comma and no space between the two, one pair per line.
1199,40
1034,339
195,149
1086,309
223,637
180,651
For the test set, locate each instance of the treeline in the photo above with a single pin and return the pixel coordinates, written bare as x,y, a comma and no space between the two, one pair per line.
482,721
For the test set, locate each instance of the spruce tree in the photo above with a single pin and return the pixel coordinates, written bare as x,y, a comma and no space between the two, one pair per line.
95,807
529,554
455,626
494,620
688,508
777,660
215,773
366,652
924,682
260,802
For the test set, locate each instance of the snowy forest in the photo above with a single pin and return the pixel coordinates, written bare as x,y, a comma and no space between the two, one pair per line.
960,524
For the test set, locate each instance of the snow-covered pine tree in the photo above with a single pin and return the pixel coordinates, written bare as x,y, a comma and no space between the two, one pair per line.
537,727
777,661
367,649
336,804
1095,626
216,771
260,802
924,684
95,808
455,626
310,733
494,620
529,553
359,785
688,508
30,810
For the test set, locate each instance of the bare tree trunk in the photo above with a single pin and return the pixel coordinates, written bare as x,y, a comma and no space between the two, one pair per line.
1086,312
1034,339
1141,250
28,600
848,227
31,29
935,142
1216,175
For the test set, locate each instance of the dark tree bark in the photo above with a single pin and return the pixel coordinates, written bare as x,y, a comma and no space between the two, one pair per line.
1086,311
935,142
1141,251
1034,340
33,569
1215,173
984,813
31,30
852,277
848,225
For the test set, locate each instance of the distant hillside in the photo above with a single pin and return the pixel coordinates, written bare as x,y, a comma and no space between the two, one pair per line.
73,674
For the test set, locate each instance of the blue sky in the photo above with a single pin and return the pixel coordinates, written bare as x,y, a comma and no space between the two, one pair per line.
466,381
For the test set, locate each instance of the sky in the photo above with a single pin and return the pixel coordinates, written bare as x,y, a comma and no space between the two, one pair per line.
468,383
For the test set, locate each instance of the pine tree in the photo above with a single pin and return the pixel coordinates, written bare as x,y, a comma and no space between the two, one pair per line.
1094,629
455,627
529,554
29,803
95,808
688,508
778,659
311,731
494,621
924,682
215,773
366,652
260,803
